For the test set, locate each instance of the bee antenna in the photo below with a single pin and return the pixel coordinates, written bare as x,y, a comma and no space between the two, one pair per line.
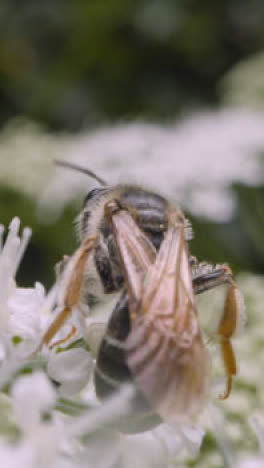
75,167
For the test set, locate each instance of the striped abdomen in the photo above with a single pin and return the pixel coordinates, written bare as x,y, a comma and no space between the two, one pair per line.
112,371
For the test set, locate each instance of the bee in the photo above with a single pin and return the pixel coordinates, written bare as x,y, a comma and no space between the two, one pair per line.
135,242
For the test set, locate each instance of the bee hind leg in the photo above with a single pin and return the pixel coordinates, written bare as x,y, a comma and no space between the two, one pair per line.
230,318
228,325
205,277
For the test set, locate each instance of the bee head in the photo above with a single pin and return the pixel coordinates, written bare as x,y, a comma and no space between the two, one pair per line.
88,219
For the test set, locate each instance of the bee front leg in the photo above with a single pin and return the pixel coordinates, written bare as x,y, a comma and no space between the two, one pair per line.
70,282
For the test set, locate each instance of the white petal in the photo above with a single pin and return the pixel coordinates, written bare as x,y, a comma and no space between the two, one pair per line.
177,438
94,336
171,438
251,462
32,395
193,437
115,406
13,457
68,389
26,235
143,451
103,451
72,368
24,308
2,352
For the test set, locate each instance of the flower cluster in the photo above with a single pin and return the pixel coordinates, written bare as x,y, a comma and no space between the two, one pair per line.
46,424
50,416
145,153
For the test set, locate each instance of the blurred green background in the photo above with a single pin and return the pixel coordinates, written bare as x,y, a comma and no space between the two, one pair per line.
70,66
73,63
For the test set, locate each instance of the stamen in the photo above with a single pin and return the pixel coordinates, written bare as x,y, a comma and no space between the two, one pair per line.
14,226
4,286
12,251
26,235
13,233
9,254
7,259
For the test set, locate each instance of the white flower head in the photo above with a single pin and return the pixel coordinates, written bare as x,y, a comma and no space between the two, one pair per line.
135,152
23,311
90,438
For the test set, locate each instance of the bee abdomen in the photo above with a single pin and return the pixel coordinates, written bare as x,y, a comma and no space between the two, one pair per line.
111,368
111,372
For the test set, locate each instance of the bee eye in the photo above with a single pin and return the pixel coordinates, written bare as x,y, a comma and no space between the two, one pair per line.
93,193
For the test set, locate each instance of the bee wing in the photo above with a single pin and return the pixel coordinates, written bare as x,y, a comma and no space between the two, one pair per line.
168,284
165,351
136,253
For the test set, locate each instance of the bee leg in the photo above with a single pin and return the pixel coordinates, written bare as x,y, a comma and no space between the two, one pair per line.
229,320
65,339
215,277
226,329
73,287
53,328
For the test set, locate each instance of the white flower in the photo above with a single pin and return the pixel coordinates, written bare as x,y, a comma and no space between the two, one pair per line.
24,312
156,447
42,441
49,438
72,369
24,307
32,396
